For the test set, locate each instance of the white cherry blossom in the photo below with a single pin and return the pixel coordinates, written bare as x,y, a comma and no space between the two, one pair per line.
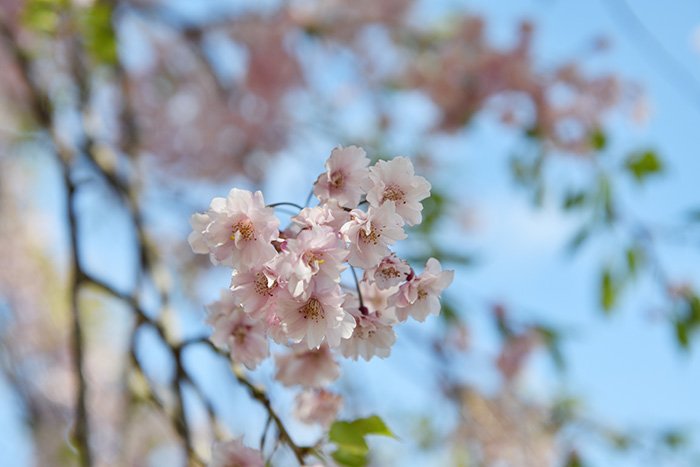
316,316
370,233
420,296
390,271
395,181
346,169
236,231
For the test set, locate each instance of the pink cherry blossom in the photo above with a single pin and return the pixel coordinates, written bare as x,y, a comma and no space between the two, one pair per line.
372,334
370,234
379,301
395,181
346,169
327,214
308,368
235,330
317,406
390,271
314,251
236,231
256,289
235,453
420,296
316,316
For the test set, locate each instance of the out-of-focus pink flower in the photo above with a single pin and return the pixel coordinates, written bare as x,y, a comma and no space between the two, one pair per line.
316,316
370,234
420,296
236,231
234,453
346,171
235,330
317,406
308,368
395,181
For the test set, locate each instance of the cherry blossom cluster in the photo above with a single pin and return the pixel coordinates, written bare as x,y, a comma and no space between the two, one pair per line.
287,284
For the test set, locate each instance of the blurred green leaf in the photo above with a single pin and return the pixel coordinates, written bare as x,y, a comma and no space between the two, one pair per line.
448,312
552,340
578,239
43,15
98,33
433,210
694,310
674,439
574,460
682,334
598,139
643,164
693,215
575,200
619,440
349,437
564,410
608,290
634,257
605,200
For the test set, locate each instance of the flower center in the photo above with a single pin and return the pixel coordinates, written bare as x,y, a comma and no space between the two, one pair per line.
337,180
244,228
394,193
372,236
312,257
422,294
239,333
312,310
389,272
260,284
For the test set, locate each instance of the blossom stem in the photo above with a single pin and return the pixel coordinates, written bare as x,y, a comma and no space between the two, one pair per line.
363,310
285,203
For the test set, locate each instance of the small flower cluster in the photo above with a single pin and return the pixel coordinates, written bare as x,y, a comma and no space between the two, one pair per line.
286,284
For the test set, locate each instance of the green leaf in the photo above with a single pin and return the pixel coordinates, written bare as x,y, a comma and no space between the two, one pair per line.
350,459
350,439
643,164
608,290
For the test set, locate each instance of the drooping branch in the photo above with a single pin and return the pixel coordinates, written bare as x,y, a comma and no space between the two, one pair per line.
40,106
